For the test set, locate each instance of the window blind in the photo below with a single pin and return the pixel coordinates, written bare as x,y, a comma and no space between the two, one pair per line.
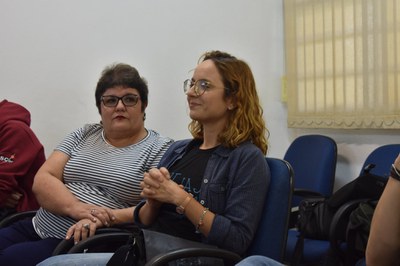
343,63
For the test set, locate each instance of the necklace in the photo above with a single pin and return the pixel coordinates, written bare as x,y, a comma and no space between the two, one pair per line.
105,139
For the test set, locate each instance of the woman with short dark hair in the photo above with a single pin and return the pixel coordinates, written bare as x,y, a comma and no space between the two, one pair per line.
92,179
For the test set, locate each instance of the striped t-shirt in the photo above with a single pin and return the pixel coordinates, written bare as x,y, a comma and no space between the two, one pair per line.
101,174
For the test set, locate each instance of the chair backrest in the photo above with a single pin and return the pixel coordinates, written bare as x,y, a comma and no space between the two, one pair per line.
382,157
271,236
313,159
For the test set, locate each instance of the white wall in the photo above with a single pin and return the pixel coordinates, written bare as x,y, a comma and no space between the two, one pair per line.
52,53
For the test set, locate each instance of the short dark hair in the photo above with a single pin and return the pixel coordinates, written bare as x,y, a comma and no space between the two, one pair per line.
121,75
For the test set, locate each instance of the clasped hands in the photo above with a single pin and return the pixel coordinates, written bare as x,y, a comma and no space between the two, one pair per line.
157,187
90,218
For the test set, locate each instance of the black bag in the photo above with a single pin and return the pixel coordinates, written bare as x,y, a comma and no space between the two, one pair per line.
130,254
314,218
354,232
143,246
357,231
315,215
366,186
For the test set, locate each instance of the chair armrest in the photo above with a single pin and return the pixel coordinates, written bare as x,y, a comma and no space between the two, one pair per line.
229,257
103,234
305,193
16,217
109,240
63,247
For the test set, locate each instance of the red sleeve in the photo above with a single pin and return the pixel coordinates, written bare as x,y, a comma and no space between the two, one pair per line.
21,155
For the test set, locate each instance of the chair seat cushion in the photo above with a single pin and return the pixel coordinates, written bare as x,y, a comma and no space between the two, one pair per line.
314,250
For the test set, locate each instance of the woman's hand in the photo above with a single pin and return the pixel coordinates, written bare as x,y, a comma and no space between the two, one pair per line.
94,213
94,217
146,185
157,186
82,230
13,200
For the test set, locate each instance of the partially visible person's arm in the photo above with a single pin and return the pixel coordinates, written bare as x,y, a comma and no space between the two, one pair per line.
17,153
54,196
383,246
49,187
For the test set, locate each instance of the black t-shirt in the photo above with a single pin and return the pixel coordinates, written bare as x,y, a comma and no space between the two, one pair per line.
188,172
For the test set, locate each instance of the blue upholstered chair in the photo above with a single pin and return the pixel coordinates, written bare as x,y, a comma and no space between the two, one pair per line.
382,157
270,239
313,159
315,250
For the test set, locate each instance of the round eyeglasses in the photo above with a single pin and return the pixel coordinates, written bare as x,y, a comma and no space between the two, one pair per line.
200,86
127,100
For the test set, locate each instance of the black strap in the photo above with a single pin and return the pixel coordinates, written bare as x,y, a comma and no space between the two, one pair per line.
130,254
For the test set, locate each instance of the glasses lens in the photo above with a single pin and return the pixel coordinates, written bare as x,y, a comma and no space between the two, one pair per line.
186,85
110,101
130,100
202,85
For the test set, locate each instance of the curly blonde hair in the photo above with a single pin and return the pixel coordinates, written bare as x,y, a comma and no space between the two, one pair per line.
245,121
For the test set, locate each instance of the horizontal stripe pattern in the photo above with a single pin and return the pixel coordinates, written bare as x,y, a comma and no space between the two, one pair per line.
101,174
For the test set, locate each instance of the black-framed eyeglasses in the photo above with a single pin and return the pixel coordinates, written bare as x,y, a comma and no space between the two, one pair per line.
200,86
112,101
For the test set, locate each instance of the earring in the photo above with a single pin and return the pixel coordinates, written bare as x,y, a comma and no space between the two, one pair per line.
144,116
